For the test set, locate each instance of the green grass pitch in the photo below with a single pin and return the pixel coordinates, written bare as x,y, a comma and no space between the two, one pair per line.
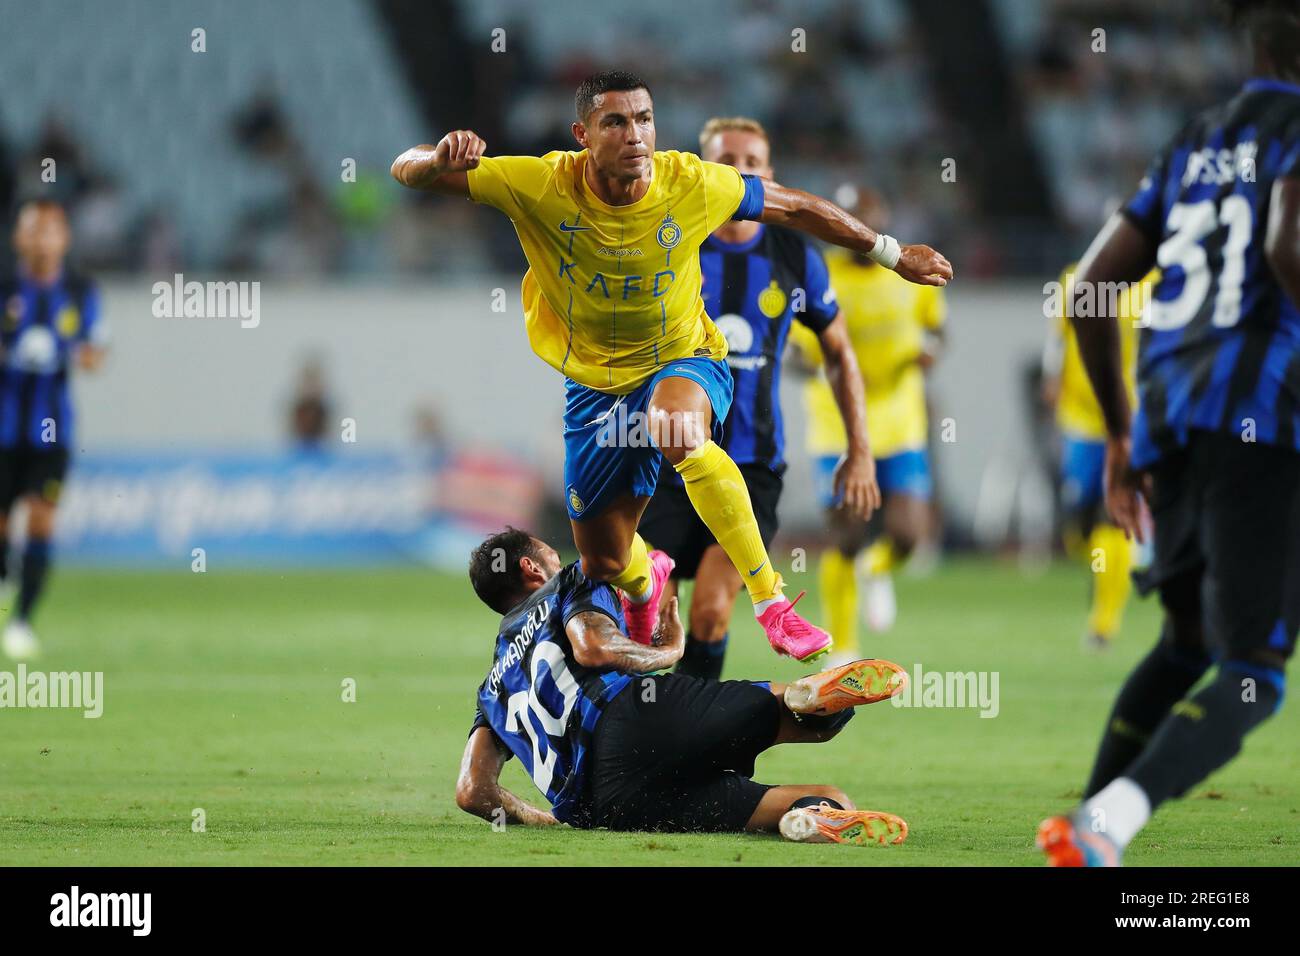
223,691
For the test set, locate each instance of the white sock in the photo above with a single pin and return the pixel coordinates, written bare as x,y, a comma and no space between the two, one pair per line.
1119,810
644,596
762,606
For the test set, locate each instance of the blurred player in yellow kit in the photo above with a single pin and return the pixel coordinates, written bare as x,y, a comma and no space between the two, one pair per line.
896,330
1089,534
611,300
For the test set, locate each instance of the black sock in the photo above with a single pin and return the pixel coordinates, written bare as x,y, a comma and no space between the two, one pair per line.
4,560
702,659
1205,731
830,725
36,561
1154,686
815,802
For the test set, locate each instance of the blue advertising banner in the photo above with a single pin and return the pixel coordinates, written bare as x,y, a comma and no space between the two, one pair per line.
288,509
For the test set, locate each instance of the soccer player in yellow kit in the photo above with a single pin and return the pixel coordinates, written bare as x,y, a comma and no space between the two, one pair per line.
896,329
612,300
1088,532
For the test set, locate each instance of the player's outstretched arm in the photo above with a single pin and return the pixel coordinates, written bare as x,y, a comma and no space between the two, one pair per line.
441,168
825,220
478,791
854,480
598,643
1121,253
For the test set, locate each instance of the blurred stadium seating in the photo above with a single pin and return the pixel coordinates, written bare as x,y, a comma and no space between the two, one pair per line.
230,163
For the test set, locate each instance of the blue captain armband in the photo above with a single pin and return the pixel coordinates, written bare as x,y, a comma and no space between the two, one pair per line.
751,203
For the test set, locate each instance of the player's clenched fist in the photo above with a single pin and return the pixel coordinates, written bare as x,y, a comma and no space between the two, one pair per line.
458,151
924,266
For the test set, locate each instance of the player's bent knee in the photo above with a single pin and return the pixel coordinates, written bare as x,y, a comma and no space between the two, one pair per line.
709,623
904,542
677,432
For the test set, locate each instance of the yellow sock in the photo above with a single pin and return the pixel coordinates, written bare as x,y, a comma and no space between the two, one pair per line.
717,490
1110,557
839,598
1075,545
881,557
634,579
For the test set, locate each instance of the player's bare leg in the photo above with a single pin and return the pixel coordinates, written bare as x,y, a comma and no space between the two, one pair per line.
712,600
717,583
604,541
839,587
906,519
612,551
7,589
680,424
818,813
821,813
19,641
777,801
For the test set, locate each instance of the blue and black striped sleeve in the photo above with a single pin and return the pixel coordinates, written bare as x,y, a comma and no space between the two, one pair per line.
584,594
820,304
1145,209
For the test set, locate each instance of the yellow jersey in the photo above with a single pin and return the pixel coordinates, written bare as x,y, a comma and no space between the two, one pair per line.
1077,411
887,318
612,293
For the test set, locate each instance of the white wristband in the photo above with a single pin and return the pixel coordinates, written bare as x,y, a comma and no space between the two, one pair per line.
886,251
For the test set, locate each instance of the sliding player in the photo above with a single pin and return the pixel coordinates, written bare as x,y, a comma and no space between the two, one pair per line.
611,745
758,280
1104,547
896,331
612,300
1214,446
50,323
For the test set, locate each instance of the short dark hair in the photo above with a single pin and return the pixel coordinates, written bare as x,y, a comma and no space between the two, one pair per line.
1239,10
1273,26
494,568
606,82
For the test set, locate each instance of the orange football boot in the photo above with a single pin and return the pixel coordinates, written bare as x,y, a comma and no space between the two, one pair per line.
850,685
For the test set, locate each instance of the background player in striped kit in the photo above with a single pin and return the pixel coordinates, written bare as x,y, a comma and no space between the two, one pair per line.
1214,445
50,323
896,333
759,281
612,745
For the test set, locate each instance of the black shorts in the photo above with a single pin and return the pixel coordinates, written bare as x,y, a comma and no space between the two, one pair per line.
1227,542
31,471
671,525
675,753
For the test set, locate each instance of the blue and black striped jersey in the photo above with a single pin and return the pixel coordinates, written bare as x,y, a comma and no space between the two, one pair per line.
753,291
538,700
1220,344
41,326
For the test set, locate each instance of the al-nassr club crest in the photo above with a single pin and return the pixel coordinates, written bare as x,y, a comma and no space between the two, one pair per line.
669,233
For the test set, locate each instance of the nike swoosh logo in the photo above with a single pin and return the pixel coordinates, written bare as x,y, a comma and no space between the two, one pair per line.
565,227
757,569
